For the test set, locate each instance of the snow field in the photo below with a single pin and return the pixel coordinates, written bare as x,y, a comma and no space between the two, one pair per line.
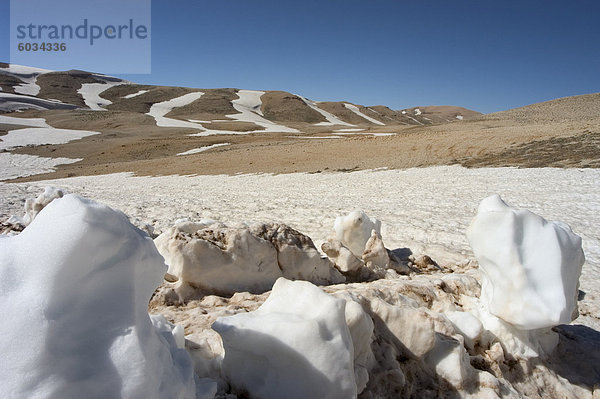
426,210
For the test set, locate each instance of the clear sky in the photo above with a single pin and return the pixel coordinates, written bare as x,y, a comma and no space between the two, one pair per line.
481,54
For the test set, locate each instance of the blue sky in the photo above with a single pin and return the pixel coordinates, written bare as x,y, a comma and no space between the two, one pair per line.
481,54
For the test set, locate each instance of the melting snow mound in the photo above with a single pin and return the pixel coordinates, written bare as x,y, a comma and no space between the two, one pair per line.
354,230
530,267
296,345
213,258
74,291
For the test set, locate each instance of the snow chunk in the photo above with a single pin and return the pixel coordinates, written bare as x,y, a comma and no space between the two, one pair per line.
355,109
297,345
459,117
224,260
75,285
418,112
530,267
354,230
467,325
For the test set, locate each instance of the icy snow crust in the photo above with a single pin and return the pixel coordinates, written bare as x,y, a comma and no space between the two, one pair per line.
75,286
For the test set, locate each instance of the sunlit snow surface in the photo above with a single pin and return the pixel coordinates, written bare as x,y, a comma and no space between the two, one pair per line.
427,210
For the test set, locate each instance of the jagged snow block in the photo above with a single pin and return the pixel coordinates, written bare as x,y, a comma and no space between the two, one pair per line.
74,292
361,330
467,325
354,230
224,260
375,253
343,259
530,267
219,260
296,345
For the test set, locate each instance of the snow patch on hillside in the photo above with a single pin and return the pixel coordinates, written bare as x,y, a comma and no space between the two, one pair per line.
12,120
41,136
202,149
14,102
13,166
159,110
355,109
91,94
139,93
248,104
331,119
